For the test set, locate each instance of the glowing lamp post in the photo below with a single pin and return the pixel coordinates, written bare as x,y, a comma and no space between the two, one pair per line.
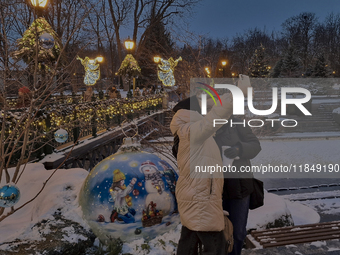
100,59
39,3
156,59
129,45
207,71
224,63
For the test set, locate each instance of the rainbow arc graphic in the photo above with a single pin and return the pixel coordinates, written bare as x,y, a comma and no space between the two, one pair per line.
209,93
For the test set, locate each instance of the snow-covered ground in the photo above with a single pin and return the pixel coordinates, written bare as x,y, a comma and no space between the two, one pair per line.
293,153
61,192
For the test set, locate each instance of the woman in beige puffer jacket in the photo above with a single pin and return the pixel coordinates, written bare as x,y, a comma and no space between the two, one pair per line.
199,195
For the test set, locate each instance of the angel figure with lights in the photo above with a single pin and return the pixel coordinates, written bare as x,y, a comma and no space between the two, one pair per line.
92,72
166,71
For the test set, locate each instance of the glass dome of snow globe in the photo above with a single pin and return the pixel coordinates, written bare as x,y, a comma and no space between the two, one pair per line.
130,195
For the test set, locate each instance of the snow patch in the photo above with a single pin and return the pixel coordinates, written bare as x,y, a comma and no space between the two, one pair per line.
71,236
319,243
336,110
60,194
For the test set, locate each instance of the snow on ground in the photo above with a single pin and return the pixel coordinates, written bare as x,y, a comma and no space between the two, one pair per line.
162,245
313,195
318,243
322,101
61,192
337,110
325,206
303,135
298,153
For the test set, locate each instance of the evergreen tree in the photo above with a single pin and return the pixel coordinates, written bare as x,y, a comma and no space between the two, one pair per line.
277,69
259,63
291,65
28,44
156,43
321,68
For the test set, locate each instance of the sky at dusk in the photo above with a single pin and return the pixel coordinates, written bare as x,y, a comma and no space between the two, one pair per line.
226,18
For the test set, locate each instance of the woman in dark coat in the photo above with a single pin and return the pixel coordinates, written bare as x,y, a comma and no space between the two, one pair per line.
238,186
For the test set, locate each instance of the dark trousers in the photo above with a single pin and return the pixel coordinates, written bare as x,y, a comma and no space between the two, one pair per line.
238,214
213,242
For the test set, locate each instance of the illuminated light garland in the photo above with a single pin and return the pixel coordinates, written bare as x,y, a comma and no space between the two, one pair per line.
85,112
92,72
166,71
129,67
27,44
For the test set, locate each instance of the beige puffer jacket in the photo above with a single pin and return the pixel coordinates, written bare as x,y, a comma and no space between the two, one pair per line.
199,199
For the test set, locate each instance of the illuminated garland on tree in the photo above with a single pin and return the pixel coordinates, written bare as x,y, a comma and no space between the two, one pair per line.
259,64
129,67
27,44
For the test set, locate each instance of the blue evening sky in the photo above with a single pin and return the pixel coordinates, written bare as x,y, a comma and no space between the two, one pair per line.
226,18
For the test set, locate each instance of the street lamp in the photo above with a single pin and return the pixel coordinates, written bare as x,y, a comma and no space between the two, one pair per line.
156,59
129,45
224,63
207,71
39,3
39,6
99,59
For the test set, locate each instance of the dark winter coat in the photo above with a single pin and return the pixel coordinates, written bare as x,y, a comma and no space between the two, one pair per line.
239,185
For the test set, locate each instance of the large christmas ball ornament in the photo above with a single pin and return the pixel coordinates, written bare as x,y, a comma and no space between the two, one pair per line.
9,195
46,40
61,135
134,191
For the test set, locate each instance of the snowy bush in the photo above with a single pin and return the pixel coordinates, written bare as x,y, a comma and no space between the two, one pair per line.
274,213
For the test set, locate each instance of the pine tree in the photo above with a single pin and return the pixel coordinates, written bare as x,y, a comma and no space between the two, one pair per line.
259,63
291,65
321,68
28,44
156,43
277,69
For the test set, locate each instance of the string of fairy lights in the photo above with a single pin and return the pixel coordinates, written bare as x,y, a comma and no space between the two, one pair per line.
52,117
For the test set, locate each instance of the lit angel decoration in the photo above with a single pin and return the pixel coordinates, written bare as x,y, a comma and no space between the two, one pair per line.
92,72
166,72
